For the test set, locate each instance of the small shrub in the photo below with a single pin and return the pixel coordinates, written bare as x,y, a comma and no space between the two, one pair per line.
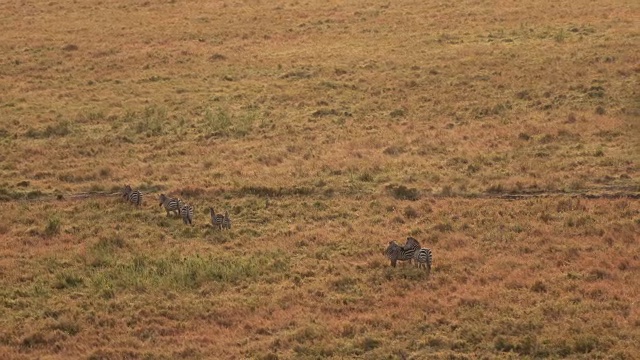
70,47
369,344
524,136
410,213
366,177
539,287
33,340
443,227
560,36
67,326
105,172
62,128
393,150
402,192
53,227
495,189
65,280
586,344
502,344
150,125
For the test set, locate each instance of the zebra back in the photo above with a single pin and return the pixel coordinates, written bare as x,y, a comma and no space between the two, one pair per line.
392,252
424,257
134,196
411,247
216,219
226,221
395,252
170,204
187,214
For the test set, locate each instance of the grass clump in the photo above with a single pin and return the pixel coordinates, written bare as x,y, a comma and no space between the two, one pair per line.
59,129
151,121
53,227
67,280
221,123
402,192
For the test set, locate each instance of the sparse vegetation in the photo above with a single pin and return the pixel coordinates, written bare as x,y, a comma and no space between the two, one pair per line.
502,135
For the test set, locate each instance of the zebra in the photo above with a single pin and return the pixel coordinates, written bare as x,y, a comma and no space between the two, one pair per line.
134,196
395,252
412,246
424,257
187,213
226,221
170,204
217,220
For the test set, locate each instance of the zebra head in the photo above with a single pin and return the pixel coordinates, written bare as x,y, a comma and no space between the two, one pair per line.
126,191
412,243
163,198
392,246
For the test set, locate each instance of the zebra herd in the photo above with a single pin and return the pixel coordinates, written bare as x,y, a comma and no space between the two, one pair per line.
412,250
175,205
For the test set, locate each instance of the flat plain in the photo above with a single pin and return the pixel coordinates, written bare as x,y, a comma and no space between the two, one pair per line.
503,135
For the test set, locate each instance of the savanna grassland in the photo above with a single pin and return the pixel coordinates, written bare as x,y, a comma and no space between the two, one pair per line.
503,135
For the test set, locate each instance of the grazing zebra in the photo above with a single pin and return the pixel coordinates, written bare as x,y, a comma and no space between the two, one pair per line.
424,257
217,220
170,204
134,196
395,252
187,214
226,221
412,246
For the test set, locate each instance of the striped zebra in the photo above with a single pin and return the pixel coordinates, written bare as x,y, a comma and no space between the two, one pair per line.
134,196
226,221
424,257
186,211
412,246
170,204
217,220
395,252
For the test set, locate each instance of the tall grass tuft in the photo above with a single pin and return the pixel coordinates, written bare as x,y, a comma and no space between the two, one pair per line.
53,227
221,123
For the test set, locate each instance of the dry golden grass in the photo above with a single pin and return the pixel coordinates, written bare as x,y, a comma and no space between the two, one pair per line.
326,129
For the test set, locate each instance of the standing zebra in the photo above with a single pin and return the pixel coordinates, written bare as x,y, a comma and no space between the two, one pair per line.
395,252
217,220
187,214
412,246
170,204
226,221
134,196
424,257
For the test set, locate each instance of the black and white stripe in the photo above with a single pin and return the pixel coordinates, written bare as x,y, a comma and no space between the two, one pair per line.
170,204
133,196
217,220
226,221
395,253
424,257
412,246
186,211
